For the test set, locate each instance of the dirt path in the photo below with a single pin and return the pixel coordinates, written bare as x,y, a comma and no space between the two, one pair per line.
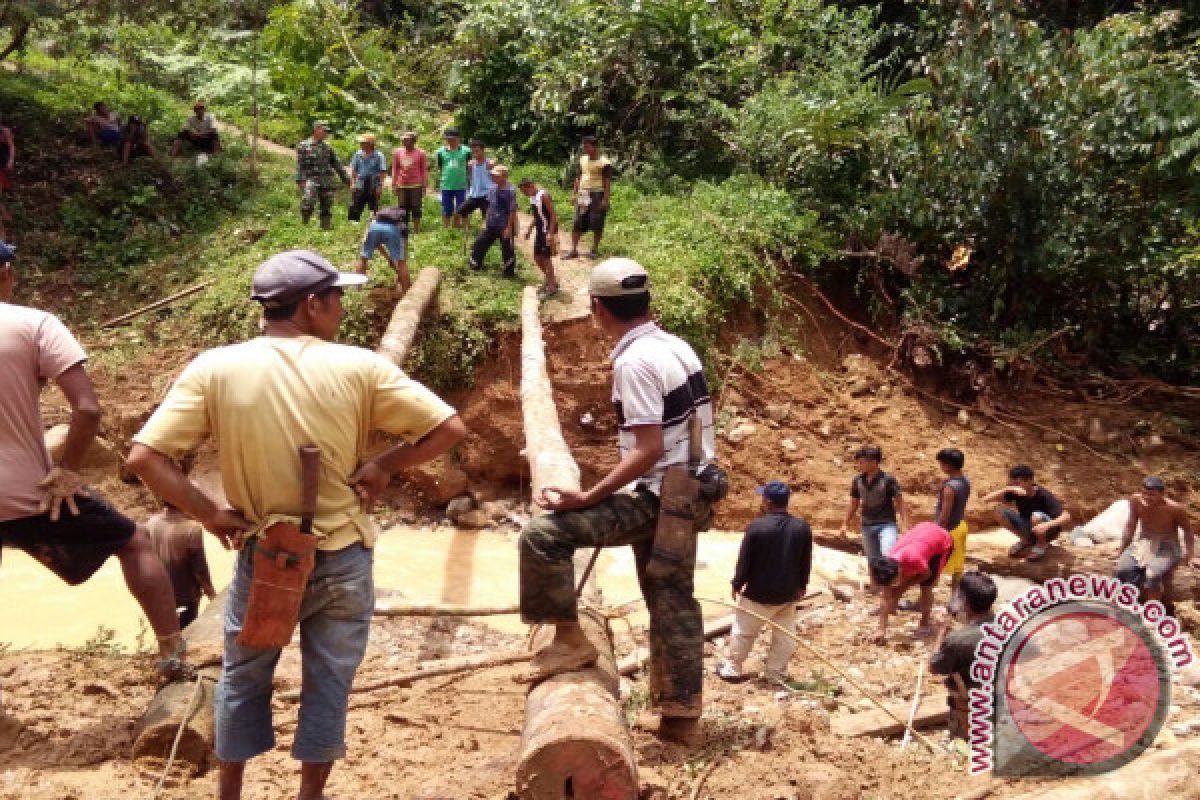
571,302
265,145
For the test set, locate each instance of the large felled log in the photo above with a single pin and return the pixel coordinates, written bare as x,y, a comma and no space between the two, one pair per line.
155,731
406,317
575,740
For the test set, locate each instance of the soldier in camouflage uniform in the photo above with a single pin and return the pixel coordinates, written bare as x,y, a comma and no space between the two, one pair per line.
316,166
658,385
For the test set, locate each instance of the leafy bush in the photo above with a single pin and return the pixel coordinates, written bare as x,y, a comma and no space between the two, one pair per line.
1067,163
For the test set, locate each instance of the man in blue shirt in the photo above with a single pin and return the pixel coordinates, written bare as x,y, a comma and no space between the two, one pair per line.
479,173
500,222
367,168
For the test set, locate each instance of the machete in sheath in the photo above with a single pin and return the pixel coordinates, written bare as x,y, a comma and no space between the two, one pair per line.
680,507
284,557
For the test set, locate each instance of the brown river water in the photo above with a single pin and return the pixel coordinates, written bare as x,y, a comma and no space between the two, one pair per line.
414,564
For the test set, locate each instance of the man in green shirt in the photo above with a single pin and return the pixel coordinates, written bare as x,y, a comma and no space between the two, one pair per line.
316,167
452,168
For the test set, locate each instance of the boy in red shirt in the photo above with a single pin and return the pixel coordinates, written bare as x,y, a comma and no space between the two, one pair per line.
917,559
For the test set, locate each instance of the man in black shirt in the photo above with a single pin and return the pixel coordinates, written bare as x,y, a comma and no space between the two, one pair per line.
1034,514
954,651
771,575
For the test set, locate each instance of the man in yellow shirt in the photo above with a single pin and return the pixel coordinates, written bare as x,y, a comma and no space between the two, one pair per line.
593,186
262,400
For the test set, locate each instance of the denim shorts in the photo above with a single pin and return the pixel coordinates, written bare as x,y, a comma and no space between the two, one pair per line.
879,538
381,234
335,618
452,199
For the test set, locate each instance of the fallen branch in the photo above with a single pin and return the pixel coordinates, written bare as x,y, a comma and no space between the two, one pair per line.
384,610
431,669
912,713
166,301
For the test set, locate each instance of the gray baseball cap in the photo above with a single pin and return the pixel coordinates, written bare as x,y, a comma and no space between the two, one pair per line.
616,277
293,275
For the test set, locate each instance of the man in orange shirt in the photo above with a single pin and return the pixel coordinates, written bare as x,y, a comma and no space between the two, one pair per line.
410,173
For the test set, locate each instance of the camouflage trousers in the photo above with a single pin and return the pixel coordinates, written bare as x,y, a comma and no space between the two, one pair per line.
547,546
315,193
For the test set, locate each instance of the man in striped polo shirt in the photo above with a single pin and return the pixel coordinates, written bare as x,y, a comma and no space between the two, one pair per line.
658,385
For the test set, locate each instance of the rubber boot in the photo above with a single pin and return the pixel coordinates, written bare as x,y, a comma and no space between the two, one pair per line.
326,223
305,216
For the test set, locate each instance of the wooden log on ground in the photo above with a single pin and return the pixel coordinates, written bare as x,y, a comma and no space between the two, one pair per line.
155,731
575,736
441,610
406,317
931,711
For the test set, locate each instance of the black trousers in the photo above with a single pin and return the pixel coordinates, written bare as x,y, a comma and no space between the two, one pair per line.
484,241
479,204
360,198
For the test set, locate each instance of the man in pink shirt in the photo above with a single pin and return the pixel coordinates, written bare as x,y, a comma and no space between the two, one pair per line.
410,173
34,348
917,559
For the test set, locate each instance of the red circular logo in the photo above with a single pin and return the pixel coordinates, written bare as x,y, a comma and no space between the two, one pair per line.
1083,687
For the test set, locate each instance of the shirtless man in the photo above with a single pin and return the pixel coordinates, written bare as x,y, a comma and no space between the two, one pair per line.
1150,561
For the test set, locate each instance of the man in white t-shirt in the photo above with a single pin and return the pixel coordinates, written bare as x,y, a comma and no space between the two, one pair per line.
658,385
199,130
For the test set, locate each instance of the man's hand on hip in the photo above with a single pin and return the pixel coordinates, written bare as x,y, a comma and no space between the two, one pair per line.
229,526
369,482
61,486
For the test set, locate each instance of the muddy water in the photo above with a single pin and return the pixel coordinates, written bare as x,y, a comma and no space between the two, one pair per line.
421,565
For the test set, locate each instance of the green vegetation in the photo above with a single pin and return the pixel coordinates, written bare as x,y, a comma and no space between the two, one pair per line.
982,180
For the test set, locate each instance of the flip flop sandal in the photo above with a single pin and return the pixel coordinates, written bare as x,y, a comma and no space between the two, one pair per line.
1018,549
570,255
1037,553
907,605
173,668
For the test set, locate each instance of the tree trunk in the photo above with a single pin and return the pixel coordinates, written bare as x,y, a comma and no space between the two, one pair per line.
575,741
18,40
406,317
155,731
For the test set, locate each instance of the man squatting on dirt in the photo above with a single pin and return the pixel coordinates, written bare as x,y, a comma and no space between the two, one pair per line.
262,400
658,384
1149,561
45,508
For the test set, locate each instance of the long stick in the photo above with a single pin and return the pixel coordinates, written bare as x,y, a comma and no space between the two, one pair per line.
912,713
385,610
434,669
825,660
182,293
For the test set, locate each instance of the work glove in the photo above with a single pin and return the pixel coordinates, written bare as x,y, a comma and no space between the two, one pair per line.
61,486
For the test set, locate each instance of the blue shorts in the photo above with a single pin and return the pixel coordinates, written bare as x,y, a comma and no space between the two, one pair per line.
381,234
110,135
452,199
